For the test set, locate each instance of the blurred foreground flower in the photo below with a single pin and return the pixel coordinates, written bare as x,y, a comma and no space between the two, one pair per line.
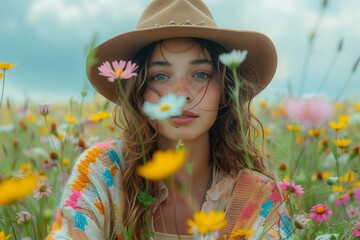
162,165
319,212
118,70
233,59
1,75
16,188
206,223
3,236
168,106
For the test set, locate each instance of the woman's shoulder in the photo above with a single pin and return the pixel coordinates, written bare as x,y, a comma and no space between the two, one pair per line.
107,153
258,185
100,162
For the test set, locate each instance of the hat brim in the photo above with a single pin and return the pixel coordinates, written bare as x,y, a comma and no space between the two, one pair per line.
261,51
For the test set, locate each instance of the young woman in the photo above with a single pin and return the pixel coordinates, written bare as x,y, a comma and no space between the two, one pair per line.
177,47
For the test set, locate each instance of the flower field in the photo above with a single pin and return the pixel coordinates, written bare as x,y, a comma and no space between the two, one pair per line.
313,148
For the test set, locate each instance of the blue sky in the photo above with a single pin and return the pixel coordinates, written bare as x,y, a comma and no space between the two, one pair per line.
46,39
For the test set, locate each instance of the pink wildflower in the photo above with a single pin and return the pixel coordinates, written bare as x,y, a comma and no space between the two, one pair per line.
357,195
42,188
309,110
118,70
44,109
320,211
342,199
291,188
353,212
356,230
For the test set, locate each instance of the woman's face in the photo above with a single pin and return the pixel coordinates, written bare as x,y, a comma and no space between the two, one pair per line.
181,66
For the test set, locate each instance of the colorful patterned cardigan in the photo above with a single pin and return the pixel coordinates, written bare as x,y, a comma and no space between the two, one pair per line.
91,204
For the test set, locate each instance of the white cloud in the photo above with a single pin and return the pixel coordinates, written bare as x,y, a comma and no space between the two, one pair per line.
79,18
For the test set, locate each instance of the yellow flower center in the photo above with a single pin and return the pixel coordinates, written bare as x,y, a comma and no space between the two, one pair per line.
118,73
341,197
320,210
164,107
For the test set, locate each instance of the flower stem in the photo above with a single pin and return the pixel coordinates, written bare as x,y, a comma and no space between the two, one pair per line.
2,90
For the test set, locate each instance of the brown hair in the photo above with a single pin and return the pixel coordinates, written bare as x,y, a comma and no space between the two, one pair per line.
232,143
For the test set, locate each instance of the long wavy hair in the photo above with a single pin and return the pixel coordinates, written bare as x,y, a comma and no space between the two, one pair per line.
232,140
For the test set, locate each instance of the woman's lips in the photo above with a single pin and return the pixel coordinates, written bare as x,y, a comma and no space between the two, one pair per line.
185,118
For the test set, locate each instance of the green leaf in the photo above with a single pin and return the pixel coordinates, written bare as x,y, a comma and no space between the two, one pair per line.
146,199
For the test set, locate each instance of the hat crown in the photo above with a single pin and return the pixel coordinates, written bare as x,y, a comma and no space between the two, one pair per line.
176,12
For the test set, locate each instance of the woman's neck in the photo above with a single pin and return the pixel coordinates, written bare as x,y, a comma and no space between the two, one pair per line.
197,159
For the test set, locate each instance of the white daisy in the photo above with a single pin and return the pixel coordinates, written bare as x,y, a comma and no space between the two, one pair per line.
234,58
168,106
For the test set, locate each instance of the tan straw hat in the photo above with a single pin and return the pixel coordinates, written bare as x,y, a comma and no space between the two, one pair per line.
164,19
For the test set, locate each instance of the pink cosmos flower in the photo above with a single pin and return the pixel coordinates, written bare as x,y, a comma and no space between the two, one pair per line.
342,199
291,188
42,188
311,110
357,195
356,230
320,211
118,70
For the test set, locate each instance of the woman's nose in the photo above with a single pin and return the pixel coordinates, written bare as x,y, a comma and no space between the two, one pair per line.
182,87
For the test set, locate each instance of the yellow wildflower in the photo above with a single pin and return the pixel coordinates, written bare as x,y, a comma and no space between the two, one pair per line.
25,167
342,123
338,188
245,233
1,75
99,116
338,125
349,176
163,165
357,106
299,139
356,184
263,104
321,175
70,119
3,237
30,118
16,188
65,162
344,118
42,175
6,66
206,222
315,132
267,131
342,143
293,128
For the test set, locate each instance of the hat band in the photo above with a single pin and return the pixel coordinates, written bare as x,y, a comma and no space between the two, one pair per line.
186,23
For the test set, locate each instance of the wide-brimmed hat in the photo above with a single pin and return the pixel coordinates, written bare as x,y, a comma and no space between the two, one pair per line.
164,19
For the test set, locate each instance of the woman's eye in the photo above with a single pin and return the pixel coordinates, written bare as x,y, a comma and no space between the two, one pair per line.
159,76
201,75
